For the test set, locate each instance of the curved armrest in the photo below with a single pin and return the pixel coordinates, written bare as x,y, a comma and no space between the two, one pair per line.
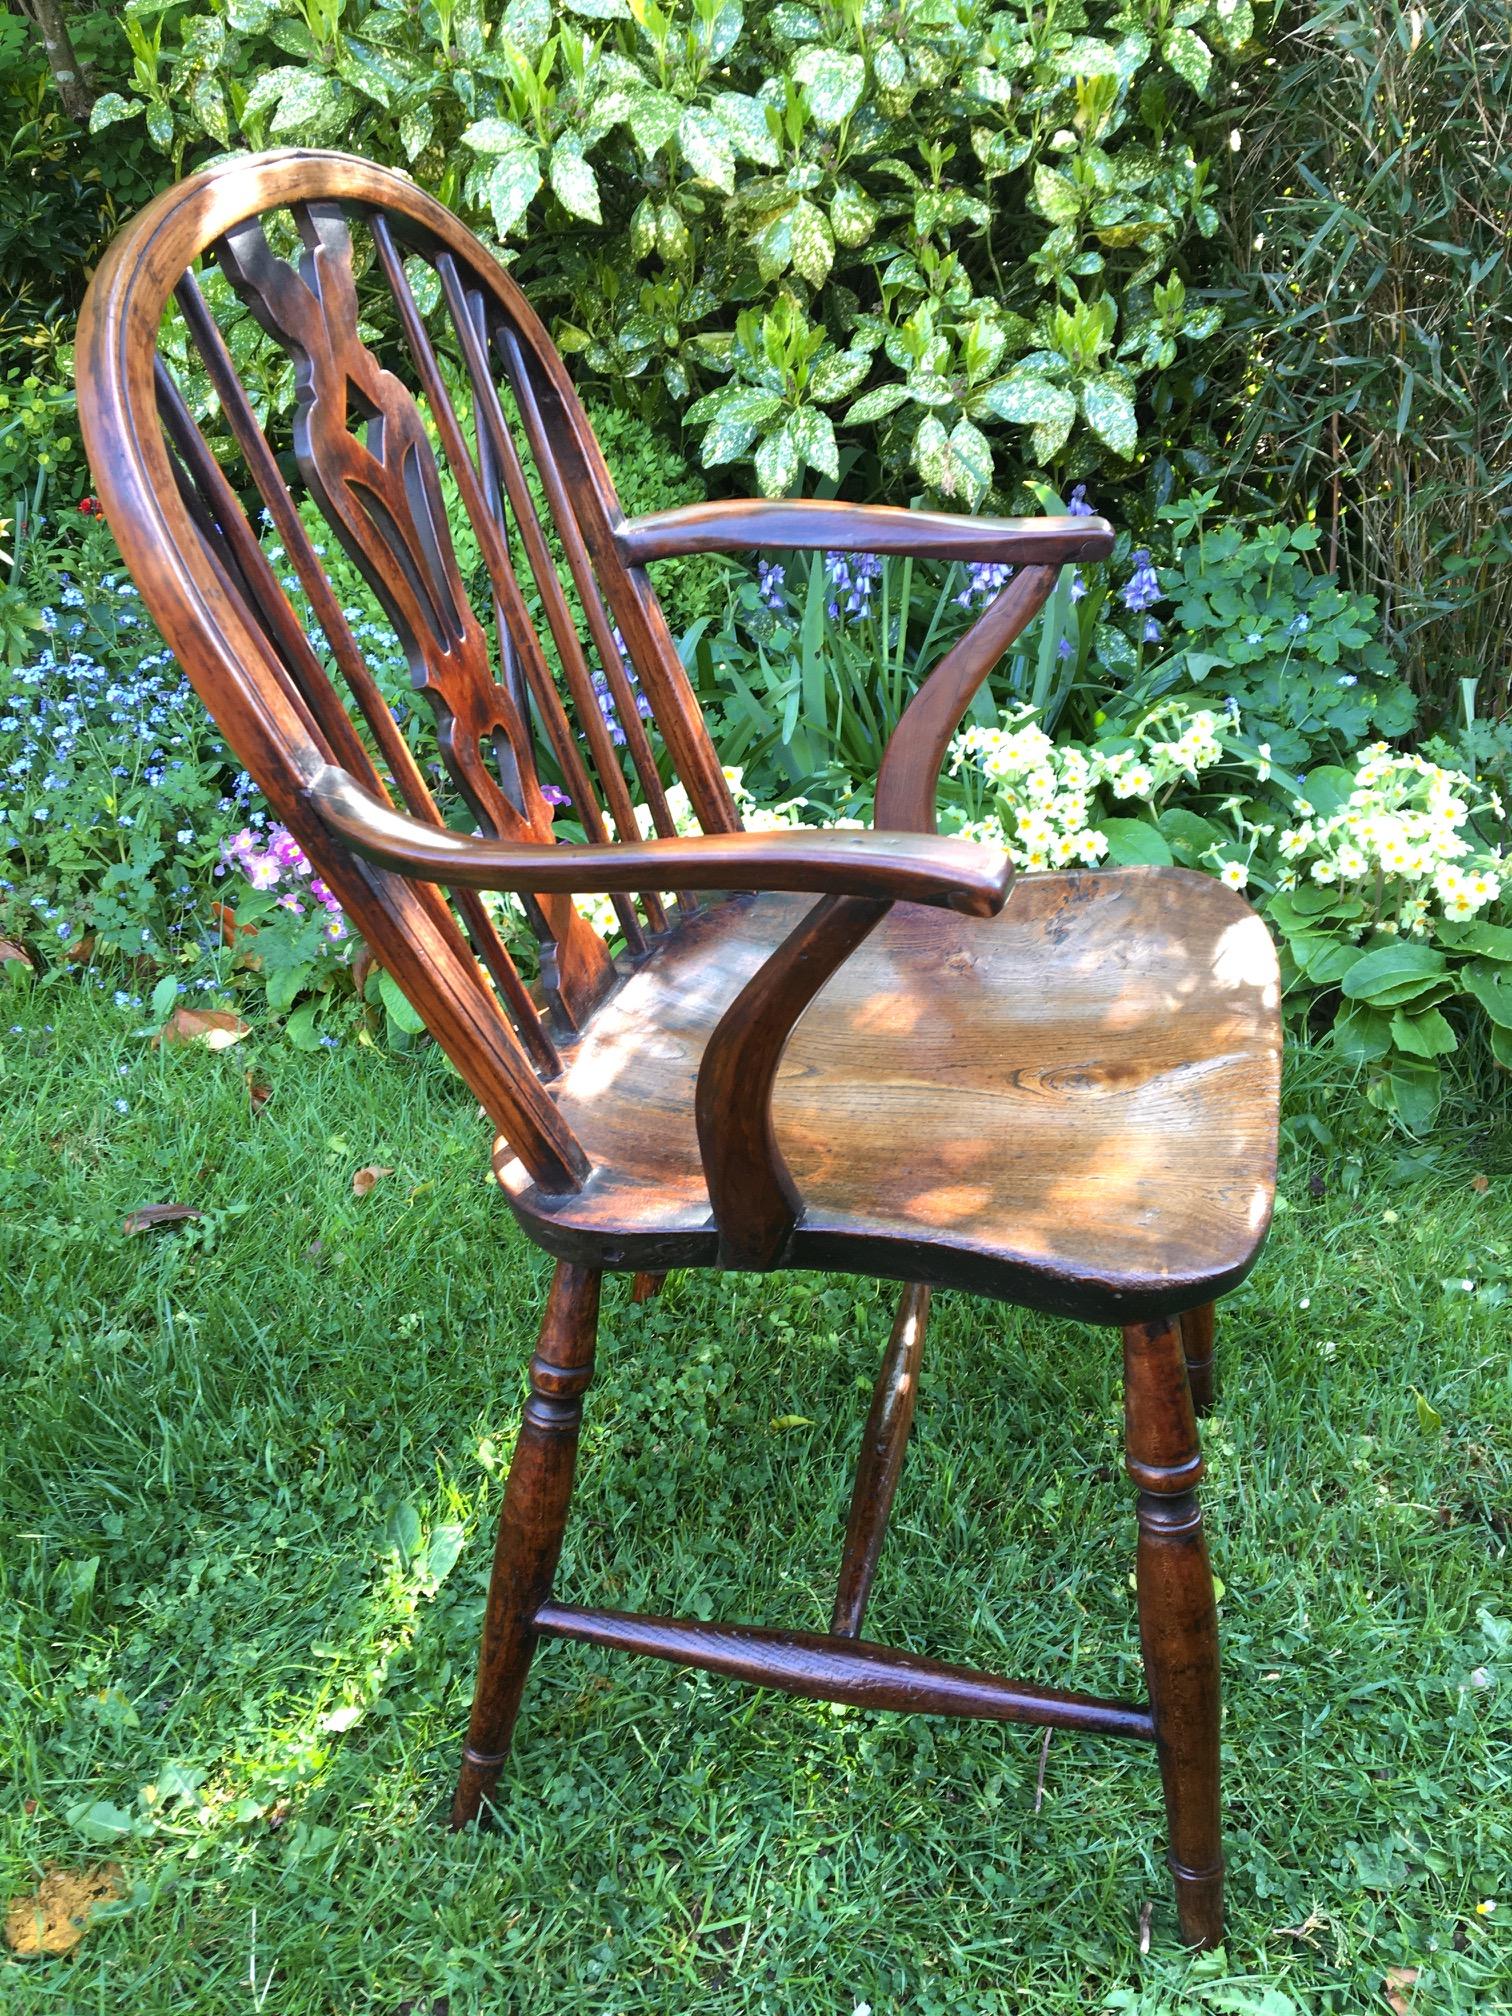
896,867
755,524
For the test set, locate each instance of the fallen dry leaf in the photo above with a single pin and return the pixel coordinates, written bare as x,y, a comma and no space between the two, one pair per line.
55,1917
83,952
230,930
216,1028
13,954
1480,1185
365,1178
157,1214
259,1091
1398,1982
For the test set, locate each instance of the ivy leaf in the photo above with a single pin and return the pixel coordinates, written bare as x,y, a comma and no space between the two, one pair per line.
878,403
706,147
1028,400
814,433
110,109
813,247
832,83
1110,415
746,122
574,181
837,374
1189,56
512,181
778,461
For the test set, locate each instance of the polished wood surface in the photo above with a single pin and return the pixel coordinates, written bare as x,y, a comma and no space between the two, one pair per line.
1071,1106
1178,1617
1066,1100
757,524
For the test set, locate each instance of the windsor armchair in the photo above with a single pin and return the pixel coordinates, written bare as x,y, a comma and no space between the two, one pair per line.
1060,1092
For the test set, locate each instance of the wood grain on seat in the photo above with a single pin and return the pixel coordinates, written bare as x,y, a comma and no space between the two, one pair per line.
1072,1105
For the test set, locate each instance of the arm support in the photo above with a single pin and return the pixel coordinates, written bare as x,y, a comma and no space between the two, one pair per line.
758,524
916,868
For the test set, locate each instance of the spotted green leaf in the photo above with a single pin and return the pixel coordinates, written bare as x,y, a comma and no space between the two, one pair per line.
1231,23
497,136
878,403
778,462
795,24
208,104
970,462
773,245
654,119
932,451
832,81
415,129
705,142
313,109
512,181
1055,196
160,123
574,181
815,436
110,109
1087,57
853,215
837,375
1189,56
813,247
1110,414
527,24
598,10
1028,400
746,123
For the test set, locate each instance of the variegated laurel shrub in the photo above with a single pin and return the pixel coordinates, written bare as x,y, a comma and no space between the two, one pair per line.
948,234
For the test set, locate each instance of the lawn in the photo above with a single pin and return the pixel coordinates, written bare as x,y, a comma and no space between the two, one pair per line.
249,1465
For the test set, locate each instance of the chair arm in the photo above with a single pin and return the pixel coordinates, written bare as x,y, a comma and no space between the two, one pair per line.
894,867
755,524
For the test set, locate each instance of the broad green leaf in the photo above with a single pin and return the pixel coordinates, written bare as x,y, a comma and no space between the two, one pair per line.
1056,197
1028,400
725,31
734,402
706,146
443,1549
302,1029
1110,415
813,247
836,375
832,81
1135,843
403,1533
1416,1090
99,1820
853,215
527,24
397,1004
1426,1034
1475,934
424,283
746,123
654,118
778,461
110,109
574,181
728,438
286,984
815,435
512,181
1391,975
1492,987
1362,1035
1189,56
497,136
250,17
878,403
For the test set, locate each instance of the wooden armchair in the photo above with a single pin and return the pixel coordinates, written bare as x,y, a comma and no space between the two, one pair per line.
1060,1092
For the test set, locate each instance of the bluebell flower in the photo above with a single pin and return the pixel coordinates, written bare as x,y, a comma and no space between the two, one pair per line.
852,576
1077,505
1152,632
1142,589
985,580
769,580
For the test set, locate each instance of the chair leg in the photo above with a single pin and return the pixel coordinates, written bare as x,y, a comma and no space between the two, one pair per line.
534,1514
1178,1618
884,1443
1197,1342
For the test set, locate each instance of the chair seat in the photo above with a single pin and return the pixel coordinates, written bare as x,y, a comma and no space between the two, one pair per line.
1071,1106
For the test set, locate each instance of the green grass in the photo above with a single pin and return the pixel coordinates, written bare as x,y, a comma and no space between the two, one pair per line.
237,1459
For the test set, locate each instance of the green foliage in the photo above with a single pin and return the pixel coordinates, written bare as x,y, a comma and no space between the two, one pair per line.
1257,623
957,240
1374,302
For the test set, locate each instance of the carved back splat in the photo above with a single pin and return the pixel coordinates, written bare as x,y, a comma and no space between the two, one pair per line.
381,496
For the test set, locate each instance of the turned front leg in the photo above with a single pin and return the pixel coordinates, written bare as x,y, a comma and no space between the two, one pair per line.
1178,1617
531,1524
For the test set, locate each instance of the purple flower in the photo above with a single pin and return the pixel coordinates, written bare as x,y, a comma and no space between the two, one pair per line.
554,795
1142,589
769,580
851,575
985,580
1152,632
1077,505
1078,586
1063,649
605,697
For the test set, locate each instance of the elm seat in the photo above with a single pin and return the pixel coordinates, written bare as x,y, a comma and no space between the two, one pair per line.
1069,1106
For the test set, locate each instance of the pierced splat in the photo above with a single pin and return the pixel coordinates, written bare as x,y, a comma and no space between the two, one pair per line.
362,448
